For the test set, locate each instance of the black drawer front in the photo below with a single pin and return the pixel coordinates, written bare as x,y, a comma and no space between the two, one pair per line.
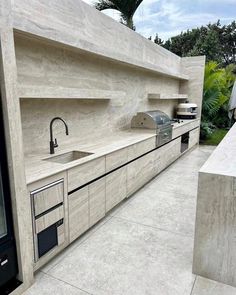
47,239
8,263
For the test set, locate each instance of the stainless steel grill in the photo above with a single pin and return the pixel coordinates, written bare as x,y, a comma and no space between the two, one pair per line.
156,120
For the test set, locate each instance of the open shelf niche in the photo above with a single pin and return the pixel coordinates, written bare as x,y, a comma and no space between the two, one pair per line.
68,93
167,96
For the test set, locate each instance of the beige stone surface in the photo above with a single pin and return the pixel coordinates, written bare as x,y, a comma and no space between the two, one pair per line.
194,67
204,286
86,172
185,126
78,211
43,66
139,172
49,51
138,149
48,197
167,96
96,34
68,93
148,251
194,137
37,168
116,159
15,156
116,187
223,160
216,218
97,201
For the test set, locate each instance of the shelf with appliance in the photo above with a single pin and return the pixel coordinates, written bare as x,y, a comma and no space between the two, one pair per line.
187,110
166,96
68,93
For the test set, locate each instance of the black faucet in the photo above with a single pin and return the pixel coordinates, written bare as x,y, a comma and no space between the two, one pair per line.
53,144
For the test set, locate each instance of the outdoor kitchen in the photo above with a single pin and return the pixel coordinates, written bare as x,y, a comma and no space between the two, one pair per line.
95,120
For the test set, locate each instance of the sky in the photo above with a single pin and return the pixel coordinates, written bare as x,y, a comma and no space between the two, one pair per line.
169,17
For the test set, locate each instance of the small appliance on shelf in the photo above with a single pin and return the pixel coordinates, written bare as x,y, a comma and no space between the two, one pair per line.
187,110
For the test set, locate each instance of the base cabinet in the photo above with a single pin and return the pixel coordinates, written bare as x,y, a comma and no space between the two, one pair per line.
139,172
166,155
193,137
97,198
78,213
86,207
116,190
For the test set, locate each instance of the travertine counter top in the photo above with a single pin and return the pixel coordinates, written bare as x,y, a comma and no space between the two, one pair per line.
223,160
184,122
37,168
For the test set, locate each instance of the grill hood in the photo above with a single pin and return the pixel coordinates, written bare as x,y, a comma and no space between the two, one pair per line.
151,120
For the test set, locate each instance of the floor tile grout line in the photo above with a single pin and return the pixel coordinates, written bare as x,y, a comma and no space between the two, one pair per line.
163,191
81,243
191,293
153,227
51,276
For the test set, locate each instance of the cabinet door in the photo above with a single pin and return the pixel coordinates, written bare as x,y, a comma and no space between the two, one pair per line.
193,137
97,198
138,149
116,159
116,188
166,155
86,172
139,172
78,213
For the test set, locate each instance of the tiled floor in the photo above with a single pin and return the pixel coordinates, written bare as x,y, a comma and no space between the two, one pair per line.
143,247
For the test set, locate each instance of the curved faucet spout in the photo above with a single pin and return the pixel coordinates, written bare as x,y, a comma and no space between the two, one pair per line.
53,144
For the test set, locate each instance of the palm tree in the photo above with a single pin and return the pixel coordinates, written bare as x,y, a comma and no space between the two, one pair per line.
127,8
218,84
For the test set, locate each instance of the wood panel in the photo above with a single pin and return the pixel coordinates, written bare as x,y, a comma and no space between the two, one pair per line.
166,154
116,187
139,172
140,148
78,213
179,130
49,219
86,172
194,137
97,198
116,159
48,198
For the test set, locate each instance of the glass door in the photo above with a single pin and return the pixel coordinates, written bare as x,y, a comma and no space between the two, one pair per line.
3,223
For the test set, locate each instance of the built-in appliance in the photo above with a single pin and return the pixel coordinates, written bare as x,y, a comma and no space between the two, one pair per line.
157,120
186,110
184,142
8,257
47,205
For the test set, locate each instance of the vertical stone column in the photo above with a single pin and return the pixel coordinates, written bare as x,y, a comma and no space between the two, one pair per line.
13,133
194,68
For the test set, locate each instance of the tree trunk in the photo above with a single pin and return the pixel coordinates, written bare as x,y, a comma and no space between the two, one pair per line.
130,23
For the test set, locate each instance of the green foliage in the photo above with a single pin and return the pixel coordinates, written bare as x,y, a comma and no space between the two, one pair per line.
216,137
215,41
218,84
206,130
126,8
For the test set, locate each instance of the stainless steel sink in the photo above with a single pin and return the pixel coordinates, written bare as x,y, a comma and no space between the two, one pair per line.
68,157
